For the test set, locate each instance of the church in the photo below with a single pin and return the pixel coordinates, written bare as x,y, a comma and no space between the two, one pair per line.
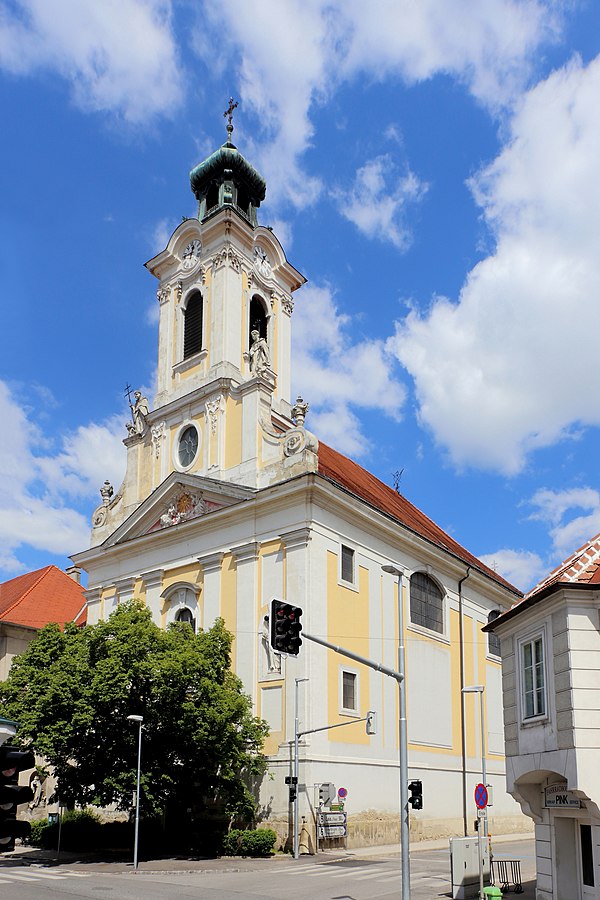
230,501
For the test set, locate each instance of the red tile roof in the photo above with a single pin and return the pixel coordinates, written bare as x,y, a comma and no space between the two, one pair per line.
37,598
581,569
353,478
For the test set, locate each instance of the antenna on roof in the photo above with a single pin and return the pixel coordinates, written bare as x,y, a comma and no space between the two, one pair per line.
397,475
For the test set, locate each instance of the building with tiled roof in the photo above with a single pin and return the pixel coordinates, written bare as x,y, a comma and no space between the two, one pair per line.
550,645
229,501
33,600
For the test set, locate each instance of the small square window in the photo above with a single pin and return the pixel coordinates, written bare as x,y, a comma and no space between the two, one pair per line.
347,572
349,691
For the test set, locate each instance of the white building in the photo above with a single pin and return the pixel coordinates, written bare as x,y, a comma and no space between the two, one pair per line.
551,675
229,501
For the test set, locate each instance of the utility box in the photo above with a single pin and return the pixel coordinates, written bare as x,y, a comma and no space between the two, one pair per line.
464,866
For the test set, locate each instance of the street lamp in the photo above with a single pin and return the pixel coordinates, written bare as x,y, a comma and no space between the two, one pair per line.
479,689
296,730
139,720
403,749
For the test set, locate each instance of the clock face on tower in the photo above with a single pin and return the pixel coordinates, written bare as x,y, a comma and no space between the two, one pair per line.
191,253
188,446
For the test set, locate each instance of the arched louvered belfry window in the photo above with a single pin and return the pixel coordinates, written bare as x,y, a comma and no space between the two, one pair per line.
192,325
258,318
493,639
426,603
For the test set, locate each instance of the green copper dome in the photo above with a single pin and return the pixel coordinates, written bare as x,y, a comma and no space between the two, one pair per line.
227,179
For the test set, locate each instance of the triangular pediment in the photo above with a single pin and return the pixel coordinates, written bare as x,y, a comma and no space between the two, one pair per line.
180,498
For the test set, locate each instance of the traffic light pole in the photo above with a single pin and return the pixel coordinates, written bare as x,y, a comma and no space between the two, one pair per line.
295,785
403,755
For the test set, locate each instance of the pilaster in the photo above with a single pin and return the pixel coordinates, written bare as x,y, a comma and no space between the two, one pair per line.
211,571
246,559
153,582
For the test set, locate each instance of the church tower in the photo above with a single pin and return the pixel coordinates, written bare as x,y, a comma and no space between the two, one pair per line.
222,408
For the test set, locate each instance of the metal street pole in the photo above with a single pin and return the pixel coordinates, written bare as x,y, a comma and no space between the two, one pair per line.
296,767
403,738
482,820
139,720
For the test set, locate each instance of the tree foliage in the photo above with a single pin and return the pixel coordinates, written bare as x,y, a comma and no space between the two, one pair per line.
72,690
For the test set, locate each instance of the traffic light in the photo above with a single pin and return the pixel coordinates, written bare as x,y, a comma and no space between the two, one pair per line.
13,761
285,627
327,793
416,794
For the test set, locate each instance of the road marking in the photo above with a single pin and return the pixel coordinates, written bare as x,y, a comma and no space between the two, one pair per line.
350,872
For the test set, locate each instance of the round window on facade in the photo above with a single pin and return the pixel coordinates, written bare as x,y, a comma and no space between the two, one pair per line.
188,446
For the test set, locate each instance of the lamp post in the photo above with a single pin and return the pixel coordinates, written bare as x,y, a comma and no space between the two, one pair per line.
295,785
139,720
403,748
479,689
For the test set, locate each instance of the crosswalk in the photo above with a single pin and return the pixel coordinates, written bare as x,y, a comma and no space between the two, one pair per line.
380,875
32,874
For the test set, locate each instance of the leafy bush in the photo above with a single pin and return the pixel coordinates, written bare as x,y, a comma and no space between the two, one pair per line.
80,831
249,843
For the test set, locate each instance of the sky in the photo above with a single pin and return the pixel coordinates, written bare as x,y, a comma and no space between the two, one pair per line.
432,168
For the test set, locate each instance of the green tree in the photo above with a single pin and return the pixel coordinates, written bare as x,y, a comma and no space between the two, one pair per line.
72,690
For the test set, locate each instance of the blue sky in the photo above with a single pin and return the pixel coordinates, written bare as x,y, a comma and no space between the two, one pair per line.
433,168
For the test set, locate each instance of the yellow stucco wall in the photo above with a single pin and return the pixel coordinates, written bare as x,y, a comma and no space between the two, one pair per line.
233,433
347,624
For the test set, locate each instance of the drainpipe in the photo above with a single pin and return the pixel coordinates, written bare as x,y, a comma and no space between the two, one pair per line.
463,732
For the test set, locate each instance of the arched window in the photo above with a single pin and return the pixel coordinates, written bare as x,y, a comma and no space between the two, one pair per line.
182,604
493,639
258,318
186,615
212,197
192,325
426,603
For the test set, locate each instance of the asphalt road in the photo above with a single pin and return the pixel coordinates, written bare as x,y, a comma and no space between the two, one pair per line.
368,878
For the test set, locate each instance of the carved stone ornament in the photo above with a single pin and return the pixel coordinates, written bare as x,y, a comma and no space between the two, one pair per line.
294,442
261,262
227,255
213,408
158,433
187,505
178,286
162,294
99,516
299,411
191,254
287,305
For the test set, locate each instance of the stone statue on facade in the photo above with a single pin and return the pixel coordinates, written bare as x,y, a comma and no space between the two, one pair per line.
259,353
273,659
139,410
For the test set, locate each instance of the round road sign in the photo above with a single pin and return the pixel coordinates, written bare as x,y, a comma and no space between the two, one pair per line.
481,796
343,793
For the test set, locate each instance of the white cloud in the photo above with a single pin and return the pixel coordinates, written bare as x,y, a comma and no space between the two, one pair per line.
568,533
521,567
336,374
511,366
40,491
291,55
377,201
118,55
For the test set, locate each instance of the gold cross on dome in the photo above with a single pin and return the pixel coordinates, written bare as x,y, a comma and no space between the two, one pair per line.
228,114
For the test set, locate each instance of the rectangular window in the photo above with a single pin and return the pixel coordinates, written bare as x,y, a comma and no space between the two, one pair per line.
534,689
347,564
349,691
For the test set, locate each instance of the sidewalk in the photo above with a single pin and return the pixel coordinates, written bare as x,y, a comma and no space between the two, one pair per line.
119,863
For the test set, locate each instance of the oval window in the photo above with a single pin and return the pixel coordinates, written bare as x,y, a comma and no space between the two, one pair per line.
188,446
